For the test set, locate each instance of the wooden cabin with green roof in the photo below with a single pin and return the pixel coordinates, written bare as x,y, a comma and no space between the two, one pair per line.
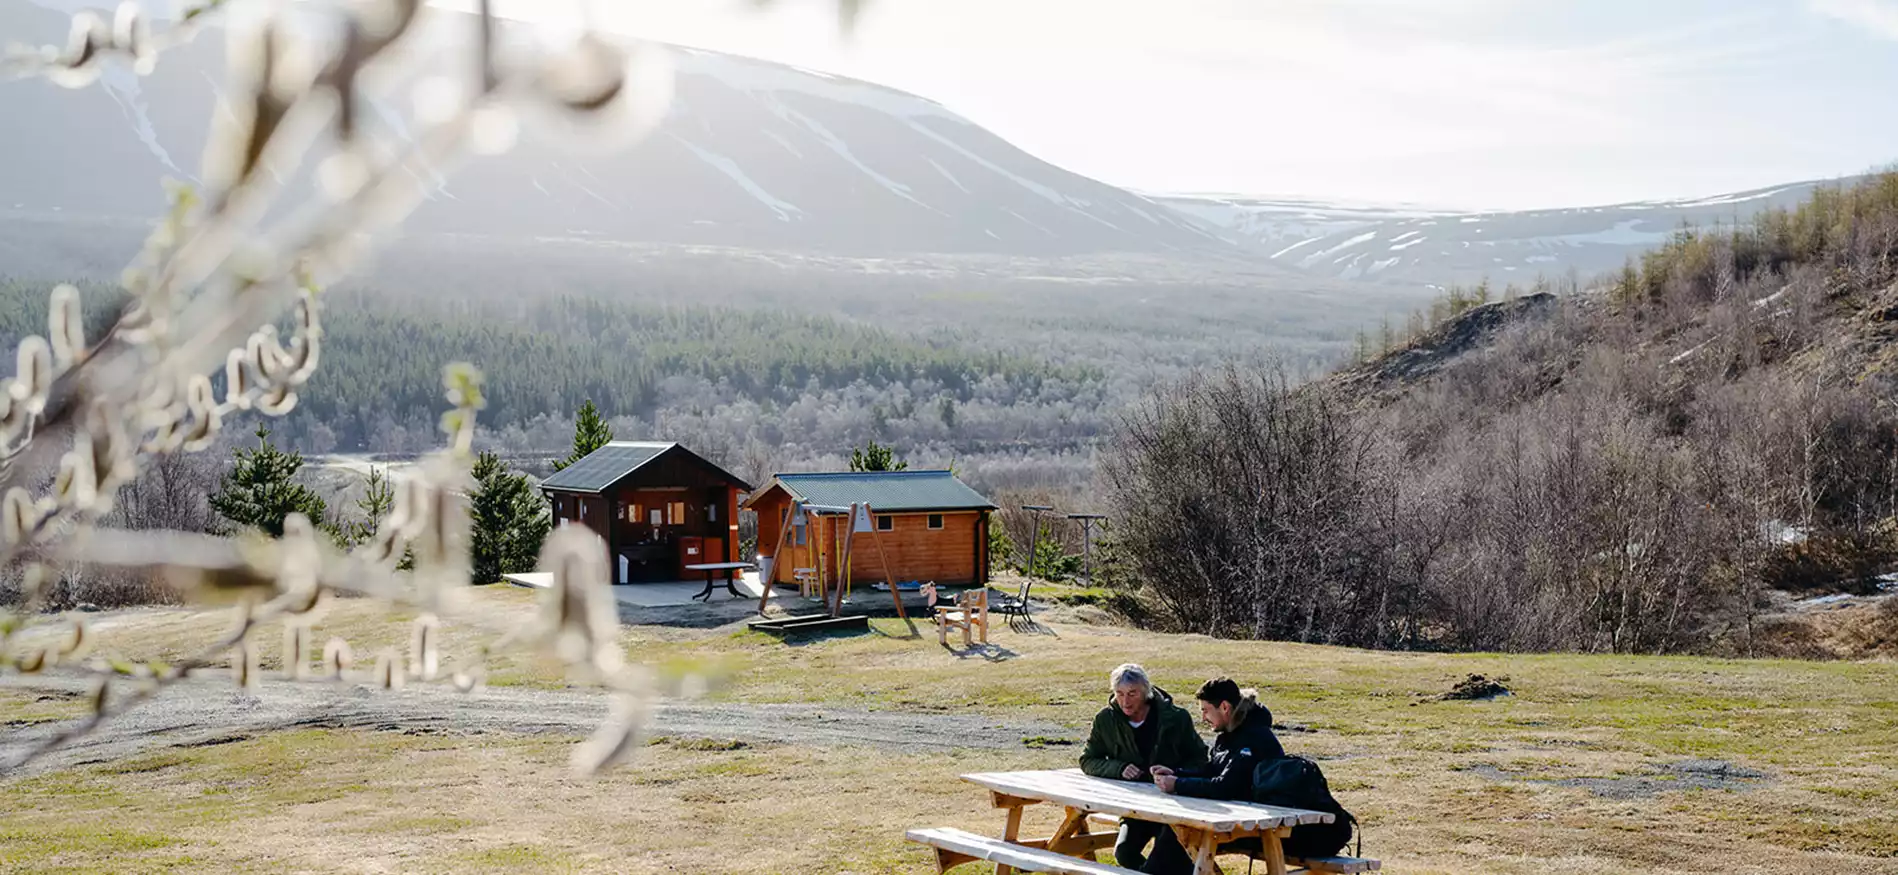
929,525
658,506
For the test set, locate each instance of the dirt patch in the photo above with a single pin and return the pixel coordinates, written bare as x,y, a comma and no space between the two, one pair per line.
202,712
1476,687
1694,774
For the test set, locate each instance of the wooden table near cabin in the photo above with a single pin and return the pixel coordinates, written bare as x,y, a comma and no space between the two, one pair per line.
1202,824
712,569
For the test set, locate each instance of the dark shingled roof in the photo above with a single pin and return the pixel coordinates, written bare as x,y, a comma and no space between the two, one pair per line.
887,491
605,466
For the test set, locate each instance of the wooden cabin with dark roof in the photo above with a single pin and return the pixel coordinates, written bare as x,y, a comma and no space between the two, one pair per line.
929,525
658,506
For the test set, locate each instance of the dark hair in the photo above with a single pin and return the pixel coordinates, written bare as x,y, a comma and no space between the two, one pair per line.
1219,690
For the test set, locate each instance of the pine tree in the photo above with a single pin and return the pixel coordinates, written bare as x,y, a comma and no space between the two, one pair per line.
876,457
378,498
590,432
508,520
261,490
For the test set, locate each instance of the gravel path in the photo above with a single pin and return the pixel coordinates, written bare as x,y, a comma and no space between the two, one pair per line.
205,711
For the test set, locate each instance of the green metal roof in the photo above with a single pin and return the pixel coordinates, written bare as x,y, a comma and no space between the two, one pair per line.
888,491
600,469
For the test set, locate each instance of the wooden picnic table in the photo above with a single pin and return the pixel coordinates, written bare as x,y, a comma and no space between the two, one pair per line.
1201,824
712,569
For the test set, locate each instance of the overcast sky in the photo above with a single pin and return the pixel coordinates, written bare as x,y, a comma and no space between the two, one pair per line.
1463,103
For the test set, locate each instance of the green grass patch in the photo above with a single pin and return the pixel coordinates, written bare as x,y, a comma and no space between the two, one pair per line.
512,858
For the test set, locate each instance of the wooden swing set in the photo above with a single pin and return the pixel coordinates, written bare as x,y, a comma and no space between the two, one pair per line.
829,573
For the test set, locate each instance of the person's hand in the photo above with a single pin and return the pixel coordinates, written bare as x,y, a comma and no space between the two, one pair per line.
1164,782
1160,770
1131,773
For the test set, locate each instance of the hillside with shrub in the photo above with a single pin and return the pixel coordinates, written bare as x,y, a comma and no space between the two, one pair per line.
1669,460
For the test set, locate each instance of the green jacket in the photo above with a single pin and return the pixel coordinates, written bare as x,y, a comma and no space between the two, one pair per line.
1111,748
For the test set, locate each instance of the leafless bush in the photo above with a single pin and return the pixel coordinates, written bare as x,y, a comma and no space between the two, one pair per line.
1569,486
1250,508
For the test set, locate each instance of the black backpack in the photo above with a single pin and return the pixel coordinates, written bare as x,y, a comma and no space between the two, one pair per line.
1295,782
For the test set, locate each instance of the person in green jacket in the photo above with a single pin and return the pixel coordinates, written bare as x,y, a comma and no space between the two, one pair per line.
1140,728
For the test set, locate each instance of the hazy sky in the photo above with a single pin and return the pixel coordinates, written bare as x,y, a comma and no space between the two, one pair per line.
1466,103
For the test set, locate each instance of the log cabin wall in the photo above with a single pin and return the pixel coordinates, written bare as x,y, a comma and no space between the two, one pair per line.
953,554
945,555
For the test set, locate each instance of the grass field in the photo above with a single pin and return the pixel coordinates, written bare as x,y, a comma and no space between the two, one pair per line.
1788,766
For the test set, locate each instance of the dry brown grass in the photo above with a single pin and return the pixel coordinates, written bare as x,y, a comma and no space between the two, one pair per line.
1443,786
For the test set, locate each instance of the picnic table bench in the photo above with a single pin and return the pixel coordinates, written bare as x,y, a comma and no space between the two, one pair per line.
1203,826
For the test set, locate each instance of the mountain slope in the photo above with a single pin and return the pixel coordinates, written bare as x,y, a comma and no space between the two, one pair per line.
751,154
1420,245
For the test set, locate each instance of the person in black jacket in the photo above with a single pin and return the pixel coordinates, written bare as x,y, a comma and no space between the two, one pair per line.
1244,740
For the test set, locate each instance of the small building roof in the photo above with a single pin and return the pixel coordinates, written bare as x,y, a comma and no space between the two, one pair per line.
884,491
599,470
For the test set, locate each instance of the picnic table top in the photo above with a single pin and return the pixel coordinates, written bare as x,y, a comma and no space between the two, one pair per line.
1144,801
717,566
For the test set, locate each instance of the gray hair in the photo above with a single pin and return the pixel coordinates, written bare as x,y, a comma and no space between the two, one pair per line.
1130,673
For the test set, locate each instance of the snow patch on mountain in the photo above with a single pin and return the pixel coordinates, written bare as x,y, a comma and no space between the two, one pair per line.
1622,234
783,208
947,175
842,149
121,84
1053,196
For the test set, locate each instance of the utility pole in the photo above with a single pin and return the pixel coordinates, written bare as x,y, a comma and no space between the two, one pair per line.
1087,540
1034,543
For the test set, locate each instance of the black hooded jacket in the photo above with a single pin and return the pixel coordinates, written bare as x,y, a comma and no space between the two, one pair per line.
1228,772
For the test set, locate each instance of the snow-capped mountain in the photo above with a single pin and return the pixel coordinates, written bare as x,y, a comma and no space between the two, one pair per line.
751,154
1410,245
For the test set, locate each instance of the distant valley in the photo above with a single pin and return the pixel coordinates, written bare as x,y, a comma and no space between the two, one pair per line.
1410,245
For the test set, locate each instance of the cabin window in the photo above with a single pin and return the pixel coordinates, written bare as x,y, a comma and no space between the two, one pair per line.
583,510
711,512
935,521
675,513
655,517
798,532
885,523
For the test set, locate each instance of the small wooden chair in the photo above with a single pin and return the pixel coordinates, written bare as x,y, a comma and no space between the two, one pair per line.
970,613
806,579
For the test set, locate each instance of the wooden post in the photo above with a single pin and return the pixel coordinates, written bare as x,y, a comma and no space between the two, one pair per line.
835,602
777,558
844,539
876,537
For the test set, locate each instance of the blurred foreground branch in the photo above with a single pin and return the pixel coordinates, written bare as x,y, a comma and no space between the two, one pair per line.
82,416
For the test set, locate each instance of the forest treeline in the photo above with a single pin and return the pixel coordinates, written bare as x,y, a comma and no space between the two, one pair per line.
813,384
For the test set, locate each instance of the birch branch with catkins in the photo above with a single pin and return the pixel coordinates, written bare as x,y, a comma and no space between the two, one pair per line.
205,293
